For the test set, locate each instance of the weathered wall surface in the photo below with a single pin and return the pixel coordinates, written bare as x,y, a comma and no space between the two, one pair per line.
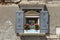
54,12
7,22
8,16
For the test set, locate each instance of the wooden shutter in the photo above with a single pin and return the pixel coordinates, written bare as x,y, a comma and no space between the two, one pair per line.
19,21
44,21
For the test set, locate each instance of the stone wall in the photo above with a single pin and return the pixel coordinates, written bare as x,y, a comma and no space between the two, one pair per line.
54,12
7,22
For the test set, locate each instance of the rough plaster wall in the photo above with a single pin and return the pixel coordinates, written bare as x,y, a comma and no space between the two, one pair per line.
58,16
7,23
54,13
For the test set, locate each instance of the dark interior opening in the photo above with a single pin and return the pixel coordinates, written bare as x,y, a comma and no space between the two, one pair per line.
37,10
32,20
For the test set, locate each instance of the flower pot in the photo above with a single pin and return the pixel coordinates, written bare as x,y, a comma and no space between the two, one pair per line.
27,27
37,27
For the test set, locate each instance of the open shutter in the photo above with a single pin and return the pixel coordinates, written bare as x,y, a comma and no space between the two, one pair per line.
44,21
19,22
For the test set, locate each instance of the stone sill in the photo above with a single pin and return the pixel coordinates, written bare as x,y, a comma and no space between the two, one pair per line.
31,34
39,34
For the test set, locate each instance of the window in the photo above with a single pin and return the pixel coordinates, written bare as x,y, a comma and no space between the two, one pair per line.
31,25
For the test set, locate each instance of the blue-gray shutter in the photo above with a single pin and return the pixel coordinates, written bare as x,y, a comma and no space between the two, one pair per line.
44,21
19,22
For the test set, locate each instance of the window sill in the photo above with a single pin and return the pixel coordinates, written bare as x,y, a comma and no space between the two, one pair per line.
31,34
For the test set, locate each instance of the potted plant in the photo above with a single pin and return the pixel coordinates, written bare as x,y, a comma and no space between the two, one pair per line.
26,26
37,27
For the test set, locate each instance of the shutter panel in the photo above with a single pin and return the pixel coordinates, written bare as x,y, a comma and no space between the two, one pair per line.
44,22
19,21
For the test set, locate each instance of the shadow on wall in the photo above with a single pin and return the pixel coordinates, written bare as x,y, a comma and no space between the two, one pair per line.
49,24
33,38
